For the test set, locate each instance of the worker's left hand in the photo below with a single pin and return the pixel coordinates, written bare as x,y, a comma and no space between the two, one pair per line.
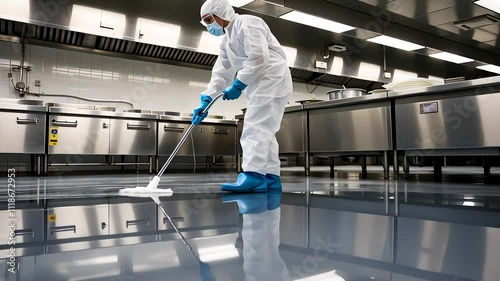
234,91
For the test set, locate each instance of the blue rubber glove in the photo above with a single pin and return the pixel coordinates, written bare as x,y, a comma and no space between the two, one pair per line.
197,118
234,91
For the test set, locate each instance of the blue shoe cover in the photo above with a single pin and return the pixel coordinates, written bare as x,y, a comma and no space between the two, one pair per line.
247,182
273,182
273,200
254,203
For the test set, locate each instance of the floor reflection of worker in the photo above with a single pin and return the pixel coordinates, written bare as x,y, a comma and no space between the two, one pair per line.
261,236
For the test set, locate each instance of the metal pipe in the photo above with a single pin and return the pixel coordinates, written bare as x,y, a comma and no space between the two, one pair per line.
21,68
82,98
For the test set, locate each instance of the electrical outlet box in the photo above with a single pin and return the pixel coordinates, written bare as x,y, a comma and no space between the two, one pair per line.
387,75
38,83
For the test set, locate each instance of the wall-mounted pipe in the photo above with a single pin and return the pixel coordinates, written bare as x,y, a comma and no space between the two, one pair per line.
81,98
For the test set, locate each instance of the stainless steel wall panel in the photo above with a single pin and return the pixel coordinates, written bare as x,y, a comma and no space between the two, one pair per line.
77,222
351,128
80,135
292,135
132,218
460,122
132,137
22,132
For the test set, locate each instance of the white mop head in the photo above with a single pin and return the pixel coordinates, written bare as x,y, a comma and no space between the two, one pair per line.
148,191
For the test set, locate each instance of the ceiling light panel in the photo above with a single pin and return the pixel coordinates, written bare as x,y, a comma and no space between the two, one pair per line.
451,57
395,43
316,22
493,5
490,68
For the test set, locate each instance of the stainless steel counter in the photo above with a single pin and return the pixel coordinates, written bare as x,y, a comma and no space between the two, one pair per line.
83,112
346,101
22,107
491,82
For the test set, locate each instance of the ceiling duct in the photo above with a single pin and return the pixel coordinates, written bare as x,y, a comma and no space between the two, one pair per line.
66,39
476,22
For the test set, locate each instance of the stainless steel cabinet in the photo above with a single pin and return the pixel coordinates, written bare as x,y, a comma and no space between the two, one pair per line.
215,139
80,135
448,122
169,135
207,139
22,132
76,222
200,213
132,217
28,226
351,128
292,135
133,137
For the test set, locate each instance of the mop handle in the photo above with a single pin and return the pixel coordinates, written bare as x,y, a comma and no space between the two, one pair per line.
180,234
186,135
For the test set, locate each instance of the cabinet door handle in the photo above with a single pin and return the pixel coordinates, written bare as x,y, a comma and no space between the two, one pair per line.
62,229
63,123
178,219
137,222
138,126
173,129
105,126
221,131
27,121
25,232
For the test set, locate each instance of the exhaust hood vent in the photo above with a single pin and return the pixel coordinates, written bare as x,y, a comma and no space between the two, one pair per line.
476,22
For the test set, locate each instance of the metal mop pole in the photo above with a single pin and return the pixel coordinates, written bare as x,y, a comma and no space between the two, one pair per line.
186,135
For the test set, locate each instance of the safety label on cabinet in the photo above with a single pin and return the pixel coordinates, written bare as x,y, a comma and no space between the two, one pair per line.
53,136
52,218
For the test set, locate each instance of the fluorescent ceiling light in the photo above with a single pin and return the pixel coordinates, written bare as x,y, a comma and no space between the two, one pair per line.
239,3
490,68
395,43
451,57
493,5
317,22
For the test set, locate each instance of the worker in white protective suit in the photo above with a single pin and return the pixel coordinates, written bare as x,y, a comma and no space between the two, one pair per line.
251,53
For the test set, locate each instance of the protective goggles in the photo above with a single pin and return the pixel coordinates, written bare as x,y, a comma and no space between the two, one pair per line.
208,19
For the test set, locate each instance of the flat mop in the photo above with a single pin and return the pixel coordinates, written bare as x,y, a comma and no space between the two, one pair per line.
152,189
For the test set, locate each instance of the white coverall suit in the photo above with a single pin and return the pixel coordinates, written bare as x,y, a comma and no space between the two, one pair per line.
250,49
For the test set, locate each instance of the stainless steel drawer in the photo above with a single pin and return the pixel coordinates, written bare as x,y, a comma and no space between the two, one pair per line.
169,135
132,218
133,137
351,128
28,226
75,222
22,132
80,135
292,135
211,139
200,213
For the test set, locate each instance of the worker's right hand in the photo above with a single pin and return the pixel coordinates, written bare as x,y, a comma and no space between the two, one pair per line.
197,118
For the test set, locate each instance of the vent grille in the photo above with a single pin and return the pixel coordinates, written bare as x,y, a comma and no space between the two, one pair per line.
476,22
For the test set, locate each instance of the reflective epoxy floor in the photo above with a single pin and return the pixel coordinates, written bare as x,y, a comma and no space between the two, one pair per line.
320,228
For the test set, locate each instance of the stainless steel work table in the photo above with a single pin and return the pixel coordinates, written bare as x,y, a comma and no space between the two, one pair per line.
212,138
458,119
82,131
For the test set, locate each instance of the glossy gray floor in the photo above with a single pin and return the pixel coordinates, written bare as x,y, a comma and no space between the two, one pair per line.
320,228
